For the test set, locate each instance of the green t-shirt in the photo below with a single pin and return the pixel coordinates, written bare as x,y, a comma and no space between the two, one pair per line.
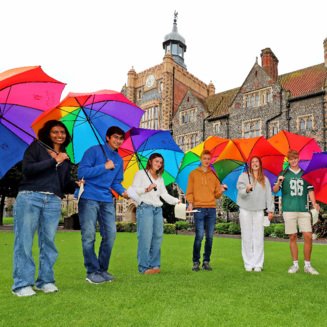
295,192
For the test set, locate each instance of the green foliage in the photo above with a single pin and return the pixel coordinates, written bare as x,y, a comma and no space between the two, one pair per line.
234,229
269,230
169,229
183,225
222,228
126,227
279,231
228,204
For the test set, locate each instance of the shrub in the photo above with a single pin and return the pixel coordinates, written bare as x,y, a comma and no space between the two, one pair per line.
234,229
222,228
126,227
269,230
279,230
169,229
228,204
183,225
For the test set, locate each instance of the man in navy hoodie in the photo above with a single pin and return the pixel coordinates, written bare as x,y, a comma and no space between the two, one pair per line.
102,169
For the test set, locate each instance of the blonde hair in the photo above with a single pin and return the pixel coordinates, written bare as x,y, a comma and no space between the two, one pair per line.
261,175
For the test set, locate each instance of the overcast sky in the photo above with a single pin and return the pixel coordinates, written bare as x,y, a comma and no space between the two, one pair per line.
91,44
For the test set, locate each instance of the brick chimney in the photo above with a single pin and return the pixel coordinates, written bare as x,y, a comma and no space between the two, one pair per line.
325,51
269,63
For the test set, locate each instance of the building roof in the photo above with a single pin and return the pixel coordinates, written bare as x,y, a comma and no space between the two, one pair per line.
305,81
217,105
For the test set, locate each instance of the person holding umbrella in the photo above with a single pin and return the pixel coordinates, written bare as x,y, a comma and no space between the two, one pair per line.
46,178
295,191
254,196
202,191
102,169
149,185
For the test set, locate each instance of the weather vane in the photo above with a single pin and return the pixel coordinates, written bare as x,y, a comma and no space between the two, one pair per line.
175,16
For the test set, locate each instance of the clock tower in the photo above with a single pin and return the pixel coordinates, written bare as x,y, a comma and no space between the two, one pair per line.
160,89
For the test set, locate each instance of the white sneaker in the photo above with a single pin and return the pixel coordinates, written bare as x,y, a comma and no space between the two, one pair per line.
310,270
24,291
257,269
293,269
248,269
48,288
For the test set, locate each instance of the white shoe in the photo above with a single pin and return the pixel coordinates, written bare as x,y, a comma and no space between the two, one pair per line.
257,269
248,269
24,291
48,288
293,269
310,270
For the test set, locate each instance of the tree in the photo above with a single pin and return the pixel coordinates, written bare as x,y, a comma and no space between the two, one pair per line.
9,186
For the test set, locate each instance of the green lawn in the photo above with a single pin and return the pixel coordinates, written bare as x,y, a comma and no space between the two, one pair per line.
227,296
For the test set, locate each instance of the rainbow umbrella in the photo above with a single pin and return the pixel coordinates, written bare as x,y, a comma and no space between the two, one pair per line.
306,146
191,158
316,175
236,155
87,116
140,143
25,93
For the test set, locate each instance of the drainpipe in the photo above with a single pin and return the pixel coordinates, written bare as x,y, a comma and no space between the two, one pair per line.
278,115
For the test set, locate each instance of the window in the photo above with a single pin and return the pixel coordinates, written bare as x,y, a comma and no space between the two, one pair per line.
139,94
257,98
251,128
188,141
188,116
151,118
216,128
305,123
273,128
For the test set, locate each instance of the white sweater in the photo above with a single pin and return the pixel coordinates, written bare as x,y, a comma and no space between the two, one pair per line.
141,182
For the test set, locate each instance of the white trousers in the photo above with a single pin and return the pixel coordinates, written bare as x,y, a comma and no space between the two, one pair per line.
252,238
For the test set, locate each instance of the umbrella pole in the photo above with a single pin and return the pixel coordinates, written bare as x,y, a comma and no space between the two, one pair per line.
30,135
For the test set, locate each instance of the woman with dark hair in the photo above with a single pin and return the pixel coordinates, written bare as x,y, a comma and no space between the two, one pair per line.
46,178
254,196
149,213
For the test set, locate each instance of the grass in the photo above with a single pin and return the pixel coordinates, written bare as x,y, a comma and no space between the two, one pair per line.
227,296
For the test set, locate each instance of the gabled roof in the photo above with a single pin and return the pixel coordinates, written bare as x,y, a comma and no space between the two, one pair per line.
305,81
218,104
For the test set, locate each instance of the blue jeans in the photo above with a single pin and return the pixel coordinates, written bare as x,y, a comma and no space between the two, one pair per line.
89,212
35,211
149,235
205,221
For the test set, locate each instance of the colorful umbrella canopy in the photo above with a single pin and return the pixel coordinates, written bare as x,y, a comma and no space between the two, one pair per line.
25,93
191,158
306,146
87,116
140,143
316,175
237,154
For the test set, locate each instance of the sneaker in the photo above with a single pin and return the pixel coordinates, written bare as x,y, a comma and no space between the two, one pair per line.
95,278
293,269
196,266
206,266
248,269
156,269
106,276
310,270
257,269
24,291
47,288
150,272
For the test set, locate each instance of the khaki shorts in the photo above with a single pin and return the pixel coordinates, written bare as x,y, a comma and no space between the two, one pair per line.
294,219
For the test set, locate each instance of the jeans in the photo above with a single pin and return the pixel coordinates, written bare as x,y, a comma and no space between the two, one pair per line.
149,235
204,222
89,212
35,211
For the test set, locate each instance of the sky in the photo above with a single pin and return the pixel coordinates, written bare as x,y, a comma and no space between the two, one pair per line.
92,44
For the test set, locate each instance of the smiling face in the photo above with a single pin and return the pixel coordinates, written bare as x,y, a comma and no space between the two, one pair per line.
156,164
294,162
115,141
205,160
57,136
255,164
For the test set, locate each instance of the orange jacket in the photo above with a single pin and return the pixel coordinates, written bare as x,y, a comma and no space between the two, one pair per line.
203,188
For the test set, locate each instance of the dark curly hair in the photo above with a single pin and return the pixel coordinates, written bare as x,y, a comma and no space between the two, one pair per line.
44,133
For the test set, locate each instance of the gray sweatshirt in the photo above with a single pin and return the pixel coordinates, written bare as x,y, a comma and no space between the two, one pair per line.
260,198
